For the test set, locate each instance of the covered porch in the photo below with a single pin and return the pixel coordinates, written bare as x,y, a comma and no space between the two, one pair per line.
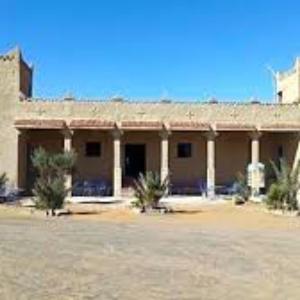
200,159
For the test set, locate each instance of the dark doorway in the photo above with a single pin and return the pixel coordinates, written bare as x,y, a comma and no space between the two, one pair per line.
135,160
31,173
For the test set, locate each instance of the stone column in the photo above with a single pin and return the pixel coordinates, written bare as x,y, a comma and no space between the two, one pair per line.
255,136
22,159
211,136
296,162
297,154
117,172
67,148
164,155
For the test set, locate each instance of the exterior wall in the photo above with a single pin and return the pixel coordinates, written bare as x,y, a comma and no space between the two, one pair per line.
288,84
50,140
9,97
25,79
270,143
232,156
257,114
91,168
192,170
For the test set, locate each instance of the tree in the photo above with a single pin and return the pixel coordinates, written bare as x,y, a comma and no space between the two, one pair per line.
282,194
49,188
148,190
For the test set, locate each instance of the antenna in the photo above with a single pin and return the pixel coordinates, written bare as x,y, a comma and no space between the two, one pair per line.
274,81
165,94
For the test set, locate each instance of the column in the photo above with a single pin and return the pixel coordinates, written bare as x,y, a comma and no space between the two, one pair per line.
67,148
297,161
164,155
22,160
117,172
211,136
297,154
255,185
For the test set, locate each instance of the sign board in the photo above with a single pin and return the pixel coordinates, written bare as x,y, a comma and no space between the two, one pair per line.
256,175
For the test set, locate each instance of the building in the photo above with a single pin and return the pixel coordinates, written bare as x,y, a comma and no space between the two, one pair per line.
115,140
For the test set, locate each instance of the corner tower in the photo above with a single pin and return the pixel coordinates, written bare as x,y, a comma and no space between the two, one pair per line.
288,84
15,86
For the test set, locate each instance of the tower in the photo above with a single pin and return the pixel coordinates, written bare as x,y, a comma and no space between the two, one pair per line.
288,84
15,86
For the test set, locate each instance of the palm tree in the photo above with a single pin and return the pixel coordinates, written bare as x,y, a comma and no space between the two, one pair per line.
148,190
49,188
283,192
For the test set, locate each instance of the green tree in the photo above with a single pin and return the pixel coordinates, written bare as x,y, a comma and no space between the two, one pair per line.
282,194
148,190
49,188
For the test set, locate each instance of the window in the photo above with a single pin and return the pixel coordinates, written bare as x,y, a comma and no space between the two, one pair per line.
184,150
279,96
92,149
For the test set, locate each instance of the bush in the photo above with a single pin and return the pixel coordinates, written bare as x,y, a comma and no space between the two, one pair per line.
242,189
282,194
49,188
3,180
274,197
148,190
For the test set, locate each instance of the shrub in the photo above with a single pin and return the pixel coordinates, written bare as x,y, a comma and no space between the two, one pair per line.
242,189
274,197
148,190
282,194
49,188
3,180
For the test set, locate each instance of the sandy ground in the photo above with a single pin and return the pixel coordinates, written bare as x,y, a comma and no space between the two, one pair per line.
216,252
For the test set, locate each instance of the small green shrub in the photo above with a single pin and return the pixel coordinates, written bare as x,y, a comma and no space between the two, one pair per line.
49,188
282,194
148,190
3,180
274,198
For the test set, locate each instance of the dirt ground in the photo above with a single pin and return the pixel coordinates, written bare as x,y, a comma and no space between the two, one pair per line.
214,252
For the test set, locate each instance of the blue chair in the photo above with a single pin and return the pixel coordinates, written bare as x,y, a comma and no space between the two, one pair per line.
202,187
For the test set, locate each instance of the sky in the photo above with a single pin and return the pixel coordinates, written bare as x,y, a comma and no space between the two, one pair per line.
150,49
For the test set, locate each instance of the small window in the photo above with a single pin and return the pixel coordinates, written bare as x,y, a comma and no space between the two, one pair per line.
279,96
184,150
93,149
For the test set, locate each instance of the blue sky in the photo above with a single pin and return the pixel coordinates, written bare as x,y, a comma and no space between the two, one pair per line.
185,50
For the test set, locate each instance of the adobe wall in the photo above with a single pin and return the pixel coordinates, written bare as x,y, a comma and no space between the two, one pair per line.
9,96
190,170
91,168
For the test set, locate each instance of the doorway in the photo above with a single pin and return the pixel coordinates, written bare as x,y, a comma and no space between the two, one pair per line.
135,160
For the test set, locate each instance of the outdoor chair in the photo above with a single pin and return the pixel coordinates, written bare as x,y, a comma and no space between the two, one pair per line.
228,189
91,188
188,188
202,187
9,194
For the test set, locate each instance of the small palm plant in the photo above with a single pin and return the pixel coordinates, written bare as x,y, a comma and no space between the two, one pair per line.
148,190
49,188
282,194
3,180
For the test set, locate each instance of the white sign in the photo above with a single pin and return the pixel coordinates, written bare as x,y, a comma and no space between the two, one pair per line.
256,175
